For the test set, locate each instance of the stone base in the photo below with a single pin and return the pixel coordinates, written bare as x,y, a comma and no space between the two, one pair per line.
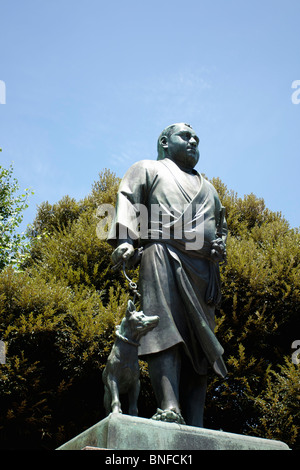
124,432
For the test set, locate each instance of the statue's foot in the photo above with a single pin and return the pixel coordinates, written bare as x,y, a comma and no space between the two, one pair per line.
168,416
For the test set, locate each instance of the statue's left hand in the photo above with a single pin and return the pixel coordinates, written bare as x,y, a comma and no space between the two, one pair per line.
218,250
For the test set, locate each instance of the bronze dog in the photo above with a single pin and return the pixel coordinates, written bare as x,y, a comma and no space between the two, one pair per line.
121,374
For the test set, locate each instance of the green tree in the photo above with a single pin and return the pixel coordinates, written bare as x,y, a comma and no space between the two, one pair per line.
12,205
258,318
64,241
58,318
278,404
58,340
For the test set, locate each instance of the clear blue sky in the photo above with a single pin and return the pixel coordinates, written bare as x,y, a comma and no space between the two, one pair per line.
91,84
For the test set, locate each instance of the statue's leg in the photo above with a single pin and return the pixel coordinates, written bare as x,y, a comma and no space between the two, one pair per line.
192,393
164,371
193,400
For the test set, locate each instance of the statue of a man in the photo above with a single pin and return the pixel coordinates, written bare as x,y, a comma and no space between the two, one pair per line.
174,213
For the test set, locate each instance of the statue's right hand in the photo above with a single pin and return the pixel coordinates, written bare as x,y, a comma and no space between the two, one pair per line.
123,252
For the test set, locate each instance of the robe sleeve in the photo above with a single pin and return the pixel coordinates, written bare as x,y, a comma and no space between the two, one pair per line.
133,192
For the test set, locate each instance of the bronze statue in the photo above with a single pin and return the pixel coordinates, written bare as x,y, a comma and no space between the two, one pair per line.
173,215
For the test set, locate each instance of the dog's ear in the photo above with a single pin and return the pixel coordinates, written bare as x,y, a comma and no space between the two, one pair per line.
130,307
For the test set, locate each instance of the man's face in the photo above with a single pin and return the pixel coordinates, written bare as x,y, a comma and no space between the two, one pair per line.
182,147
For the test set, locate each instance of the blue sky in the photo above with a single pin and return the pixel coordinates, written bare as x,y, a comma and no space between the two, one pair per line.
91,84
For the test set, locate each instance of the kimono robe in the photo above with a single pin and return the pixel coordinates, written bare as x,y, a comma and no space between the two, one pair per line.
174,216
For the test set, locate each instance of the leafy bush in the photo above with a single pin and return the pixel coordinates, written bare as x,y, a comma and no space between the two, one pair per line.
12,205
58,316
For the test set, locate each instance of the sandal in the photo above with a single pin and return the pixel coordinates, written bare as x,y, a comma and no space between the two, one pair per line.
168,416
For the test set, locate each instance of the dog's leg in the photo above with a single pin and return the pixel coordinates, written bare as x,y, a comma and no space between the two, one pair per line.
107,400
133,395
115,403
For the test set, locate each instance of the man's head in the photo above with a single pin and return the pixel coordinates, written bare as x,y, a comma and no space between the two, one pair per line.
179,142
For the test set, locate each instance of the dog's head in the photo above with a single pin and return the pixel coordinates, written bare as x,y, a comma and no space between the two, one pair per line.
139,324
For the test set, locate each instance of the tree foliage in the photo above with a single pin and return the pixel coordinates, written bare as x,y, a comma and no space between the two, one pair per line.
12,206
58,316
258,319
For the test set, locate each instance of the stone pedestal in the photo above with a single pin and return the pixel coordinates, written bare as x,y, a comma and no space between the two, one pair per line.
124,432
